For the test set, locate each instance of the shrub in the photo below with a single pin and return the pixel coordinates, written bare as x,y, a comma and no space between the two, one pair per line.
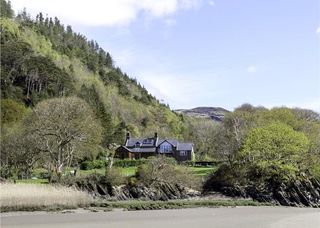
95,164
164,169
114,177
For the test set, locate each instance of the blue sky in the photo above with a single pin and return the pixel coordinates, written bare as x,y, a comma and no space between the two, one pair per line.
192,53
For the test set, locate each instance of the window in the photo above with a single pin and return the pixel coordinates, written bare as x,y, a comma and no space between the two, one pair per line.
165,148
183,153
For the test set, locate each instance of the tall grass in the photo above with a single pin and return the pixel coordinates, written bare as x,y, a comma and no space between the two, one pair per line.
30,197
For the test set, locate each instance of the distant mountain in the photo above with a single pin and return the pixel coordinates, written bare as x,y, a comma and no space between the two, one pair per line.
214,113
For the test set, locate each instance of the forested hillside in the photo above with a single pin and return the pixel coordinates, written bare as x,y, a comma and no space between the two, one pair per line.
63,101
42,59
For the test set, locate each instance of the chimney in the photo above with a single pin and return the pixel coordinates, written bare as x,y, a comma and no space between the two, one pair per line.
155,139
128,136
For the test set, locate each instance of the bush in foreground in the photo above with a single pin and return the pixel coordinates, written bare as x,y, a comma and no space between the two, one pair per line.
163,169
29,197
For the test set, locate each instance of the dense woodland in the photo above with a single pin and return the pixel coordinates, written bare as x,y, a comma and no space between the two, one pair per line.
63,101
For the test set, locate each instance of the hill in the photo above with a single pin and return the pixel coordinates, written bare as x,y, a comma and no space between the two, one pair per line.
213,113
42,58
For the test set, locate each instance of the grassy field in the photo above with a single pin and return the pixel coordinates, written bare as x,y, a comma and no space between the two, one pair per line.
203,171
31,197
126,171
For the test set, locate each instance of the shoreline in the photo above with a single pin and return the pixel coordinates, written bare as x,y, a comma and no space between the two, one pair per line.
137,205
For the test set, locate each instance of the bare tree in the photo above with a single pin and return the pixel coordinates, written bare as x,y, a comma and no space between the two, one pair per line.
63,128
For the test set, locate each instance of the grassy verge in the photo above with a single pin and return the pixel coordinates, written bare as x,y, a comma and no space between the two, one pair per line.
32,181
174,204
32,197
126,171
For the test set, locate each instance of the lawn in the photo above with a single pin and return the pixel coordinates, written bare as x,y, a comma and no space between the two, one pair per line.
203,171
126,171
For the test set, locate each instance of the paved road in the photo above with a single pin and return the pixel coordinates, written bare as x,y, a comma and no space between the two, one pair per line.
240,217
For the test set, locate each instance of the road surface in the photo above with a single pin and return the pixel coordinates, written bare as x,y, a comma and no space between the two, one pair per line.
239,217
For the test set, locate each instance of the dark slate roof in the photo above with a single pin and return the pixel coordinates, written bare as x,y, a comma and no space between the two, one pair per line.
171,141
185,146
147,144
143,142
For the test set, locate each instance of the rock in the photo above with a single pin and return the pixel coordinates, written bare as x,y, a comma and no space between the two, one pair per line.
303,191
158,191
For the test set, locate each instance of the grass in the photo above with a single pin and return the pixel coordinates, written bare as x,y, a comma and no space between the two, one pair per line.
31,197
130,171
126,172
32,181
203,171
175,204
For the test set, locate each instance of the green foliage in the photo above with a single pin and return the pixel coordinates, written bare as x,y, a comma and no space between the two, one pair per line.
164,169
136,205
12,111
63,129
129,162
29,77
95,164
274,150
114,176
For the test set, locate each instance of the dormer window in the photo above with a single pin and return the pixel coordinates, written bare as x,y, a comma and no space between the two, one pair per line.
137,144
147,141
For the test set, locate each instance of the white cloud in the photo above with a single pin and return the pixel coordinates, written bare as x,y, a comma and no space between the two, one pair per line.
252,69
104,13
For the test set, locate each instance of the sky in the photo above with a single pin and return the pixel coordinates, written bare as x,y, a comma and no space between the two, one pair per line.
191,53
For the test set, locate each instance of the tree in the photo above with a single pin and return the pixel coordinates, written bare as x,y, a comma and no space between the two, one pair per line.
202,134
234,129
274,150
5,9
63,129
12,111
18,157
